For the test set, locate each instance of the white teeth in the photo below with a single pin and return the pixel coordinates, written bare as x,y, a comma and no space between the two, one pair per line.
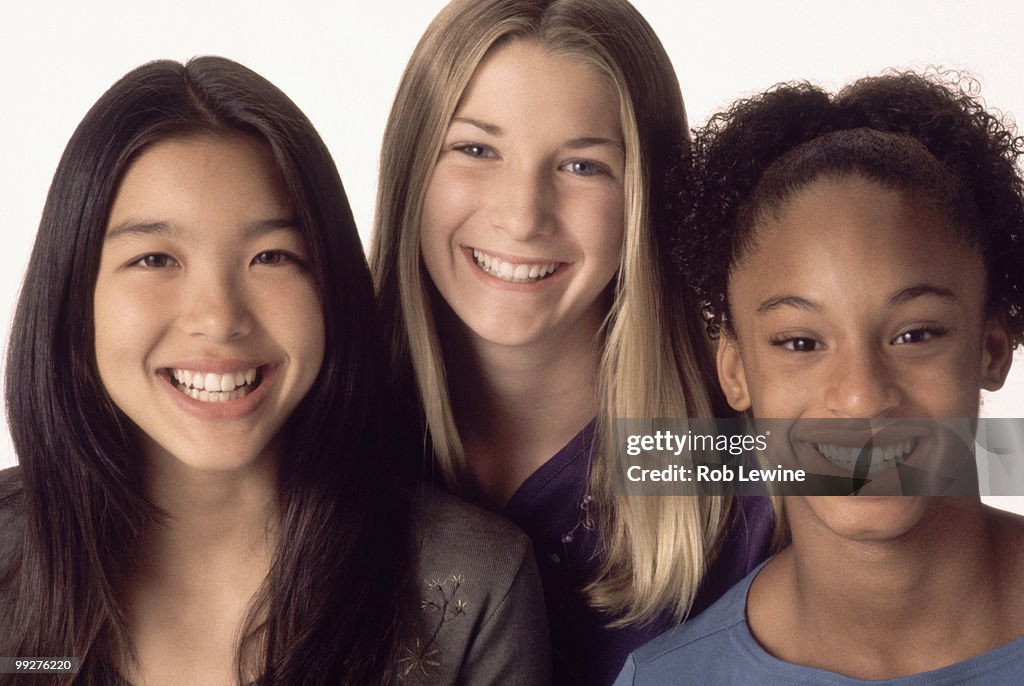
507,271
212,387
883,457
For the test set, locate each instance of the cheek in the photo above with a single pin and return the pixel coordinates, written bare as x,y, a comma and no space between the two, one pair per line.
949,385
126,321
443,210
599,224
452,197
298,325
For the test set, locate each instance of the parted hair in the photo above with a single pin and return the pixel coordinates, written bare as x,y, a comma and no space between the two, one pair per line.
331,608
655,362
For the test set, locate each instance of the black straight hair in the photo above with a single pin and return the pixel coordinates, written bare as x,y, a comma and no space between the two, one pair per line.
331,608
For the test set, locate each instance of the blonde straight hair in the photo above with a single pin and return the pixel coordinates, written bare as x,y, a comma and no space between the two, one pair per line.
655,363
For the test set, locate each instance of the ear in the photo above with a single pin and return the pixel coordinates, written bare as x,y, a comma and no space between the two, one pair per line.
731,376
996,353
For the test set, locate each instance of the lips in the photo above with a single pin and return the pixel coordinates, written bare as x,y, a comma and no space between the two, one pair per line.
865,447
208,386
513,271
881,457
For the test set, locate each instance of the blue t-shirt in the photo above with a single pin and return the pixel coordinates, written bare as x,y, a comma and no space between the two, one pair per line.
717,649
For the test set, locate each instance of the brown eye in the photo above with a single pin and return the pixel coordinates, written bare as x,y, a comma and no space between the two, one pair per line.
271,257
155,261
799,344
917,336
803,345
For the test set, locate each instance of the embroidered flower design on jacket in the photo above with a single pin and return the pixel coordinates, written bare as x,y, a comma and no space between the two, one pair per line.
439,606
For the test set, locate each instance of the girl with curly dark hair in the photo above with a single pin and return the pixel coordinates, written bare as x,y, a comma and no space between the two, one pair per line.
861,257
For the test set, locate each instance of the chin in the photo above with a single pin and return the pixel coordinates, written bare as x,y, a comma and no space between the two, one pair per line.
212,460
508,332
867,518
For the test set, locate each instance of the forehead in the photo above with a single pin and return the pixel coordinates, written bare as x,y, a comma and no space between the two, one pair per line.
201,178
846,237
542,88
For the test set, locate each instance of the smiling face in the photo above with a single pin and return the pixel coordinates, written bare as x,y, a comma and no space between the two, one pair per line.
856,302
522,223
208,323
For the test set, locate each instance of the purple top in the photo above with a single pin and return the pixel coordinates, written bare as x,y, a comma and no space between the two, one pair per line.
551,506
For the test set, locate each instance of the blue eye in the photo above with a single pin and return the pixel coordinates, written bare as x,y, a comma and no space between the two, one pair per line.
475,150
586,168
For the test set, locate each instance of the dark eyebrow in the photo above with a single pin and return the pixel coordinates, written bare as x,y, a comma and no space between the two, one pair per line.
788,301
900,297
484,126
266,226
905,295
253,230
131,228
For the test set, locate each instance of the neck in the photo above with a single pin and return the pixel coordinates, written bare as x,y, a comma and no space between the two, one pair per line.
516,406
199,569
215,520
938,594
875,584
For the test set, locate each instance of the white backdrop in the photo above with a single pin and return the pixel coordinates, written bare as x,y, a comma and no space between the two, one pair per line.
341,61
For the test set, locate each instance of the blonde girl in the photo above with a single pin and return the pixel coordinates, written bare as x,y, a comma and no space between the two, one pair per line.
516,265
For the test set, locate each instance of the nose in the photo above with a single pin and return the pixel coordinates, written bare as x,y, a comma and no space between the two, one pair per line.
524,204
215,308
860,385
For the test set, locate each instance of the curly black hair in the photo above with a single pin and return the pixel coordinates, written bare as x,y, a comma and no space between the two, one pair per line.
926,133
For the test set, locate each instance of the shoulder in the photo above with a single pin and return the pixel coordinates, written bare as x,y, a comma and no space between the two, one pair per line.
480,599
451,532
467,555
10,483
701,645
12,512
12,534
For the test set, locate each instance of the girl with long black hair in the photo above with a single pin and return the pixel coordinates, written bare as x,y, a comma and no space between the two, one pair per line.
192,388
